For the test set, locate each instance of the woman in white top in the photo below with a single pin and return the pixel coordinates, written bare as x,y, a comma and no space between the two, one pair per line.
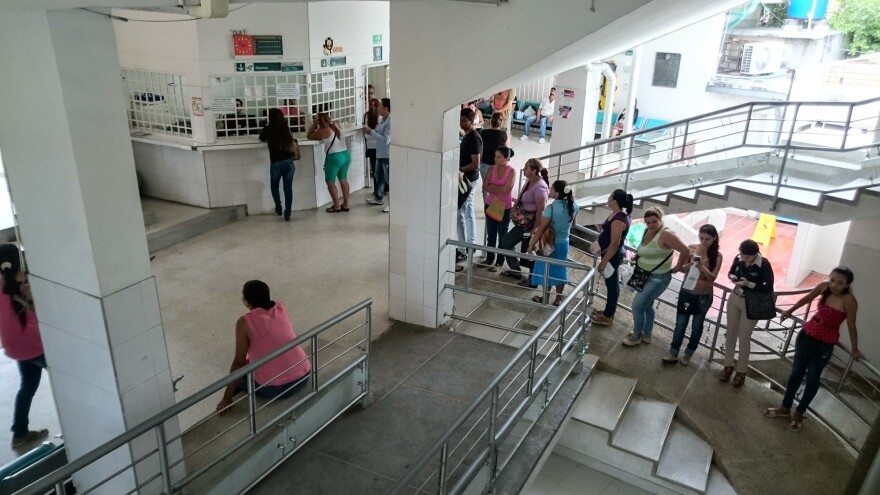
336,161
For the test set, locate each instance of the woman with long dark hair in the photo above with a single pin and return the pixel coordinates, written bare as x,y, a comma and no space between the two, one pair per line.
696,301
337,158
560,214
371,120
815,343
611,249
498,186
20,336
281,167
529,207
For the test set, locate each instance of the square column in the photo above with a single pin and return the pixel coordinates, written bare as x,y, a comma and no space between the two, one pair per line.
67,152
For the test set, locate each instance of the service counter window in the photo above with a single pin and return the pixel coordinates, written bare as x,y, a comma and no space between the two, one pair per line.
157,102
241,103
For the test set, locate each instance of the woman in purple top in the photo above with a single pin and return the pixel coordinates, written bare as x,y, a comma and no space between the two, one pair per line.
532,198
610,251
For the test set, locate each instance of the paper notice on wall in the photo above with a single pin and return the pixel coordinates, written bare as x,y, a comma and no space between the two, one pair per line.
328,82
223,105
287,90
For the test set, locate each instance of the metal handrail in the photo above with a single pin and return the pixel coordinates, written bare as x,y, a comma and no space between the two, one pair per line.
156,422
441,444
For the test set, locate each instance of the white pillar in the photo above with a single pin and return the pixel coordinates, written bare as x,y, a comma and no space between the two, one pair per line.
582,83
67,152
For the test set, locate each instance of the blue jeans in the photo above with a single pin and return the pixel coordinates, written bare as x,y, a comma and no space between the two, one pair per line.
643,304
681,321
467,218
531,120
30,371
380,181
612,284
495,232
273,391
810,358
278,172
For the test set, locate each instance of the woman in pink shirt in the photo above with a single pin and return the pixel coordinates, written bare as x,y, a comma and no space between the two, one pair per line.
20,336
263,329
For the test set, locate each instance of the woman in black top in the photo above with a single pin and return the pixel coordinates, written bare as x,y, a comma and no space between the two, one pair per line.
493,139
281,168
749,272
610,251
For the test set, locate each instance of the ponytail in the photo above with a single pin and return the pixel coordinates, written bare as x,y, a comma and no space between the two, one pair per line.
565,192
545,175
623,200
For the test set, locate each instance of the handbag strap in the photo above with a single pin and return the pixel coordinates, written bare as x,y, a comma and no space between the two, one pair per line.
644,234
327,152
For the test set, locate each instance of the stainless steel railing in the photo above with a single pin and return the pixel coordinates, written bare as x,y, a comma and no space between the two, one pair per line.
773,339
782,128
354,344
473,443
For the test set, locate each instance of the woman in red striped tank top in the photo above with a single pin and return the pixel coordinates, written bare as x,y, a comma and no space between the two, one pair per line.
815,343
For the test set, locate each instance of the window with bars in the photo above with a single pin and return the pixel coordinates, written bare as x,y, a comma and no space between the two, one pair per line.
157,102
333,92
252,96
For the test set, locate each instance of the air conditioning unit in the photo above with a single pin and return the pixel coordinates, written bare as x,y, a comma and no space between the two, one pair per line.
761,58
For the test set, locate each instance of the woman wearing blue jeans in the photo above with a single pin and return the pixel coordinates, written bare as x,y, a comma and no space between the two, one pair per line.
707,259
611,249
281,168
655,256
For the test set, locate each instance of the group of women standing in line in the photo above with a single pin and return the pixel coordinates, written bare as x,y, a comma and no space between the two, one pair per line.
280,142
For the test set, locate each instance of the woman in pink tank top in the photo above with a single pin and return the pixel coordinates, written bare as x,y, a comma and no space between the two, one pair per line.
20,336
499,200
816,340
263,329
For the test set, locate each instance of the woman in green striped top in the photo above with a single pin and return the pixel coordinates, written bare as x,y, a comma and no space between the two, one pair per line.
655,255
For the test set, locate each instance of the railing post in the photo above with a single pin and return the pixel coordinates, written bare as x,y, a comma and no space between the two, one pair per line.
790,334
59,488
315,363
533,352
252,403
592,160
852,106
561,334
444,454
844,375
797,108
684,141
369,322
163,459
469,274
748,122
559,167
718,324
493,447
545,285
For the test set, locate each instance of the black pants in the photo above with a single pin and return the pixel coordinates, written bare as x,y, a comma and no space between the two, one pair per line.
371,155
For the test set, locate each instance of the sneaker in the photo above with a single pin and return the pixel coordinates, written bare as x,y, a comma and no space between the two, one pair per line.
631,341
523,137
387,209
602,320
459,256
374,202
542,141
685,359
646,339
30,436
669,358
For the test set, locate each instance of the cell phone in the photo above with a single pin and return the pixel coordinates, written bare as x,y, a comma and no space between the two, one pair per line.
732,277
696,258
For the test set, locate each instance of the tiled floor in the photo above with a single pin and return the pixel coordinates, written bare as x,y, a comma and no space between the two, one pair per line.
561,476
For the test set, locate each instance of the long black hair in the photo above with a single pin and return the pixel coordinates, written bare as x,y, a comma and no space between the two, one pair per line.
840,270
564,191
278,131
10,266
713,248
623,200
256,293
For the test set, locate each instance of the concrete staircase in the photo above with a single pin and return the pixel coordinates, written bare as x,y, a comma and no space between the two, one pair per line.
638,440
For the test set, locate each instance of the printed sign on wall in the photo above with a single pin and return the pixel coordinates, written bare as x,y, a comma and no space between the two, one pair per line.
223,105
328,82
198,110
377,54
287,90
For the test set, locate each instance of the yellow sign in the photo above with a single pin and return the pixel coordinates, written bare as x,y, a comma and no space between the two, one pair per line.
765,230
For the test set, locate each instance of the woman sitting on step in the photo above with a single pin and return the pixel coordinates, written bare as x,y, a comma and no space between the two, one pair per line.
815,343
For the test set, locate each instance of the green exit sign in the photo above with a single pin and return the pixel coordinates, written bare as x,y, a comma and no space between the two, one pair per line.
377,39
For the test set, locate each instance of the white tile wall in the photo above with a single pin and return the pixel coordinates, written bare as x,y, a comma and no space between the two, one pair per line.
420,224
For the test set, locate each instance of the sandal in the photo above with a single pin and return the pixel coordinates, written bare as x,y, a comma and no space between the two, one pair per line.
512,274
558,300
797,422
777,412
495,268
725,373
739,379
527,284
333,210
538,299
344,209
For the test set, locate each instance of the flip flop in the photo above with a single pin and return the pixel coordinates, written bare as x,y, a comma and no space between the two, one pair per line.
797,422
494,268
333,210
344,209
528,285
777,412
538,299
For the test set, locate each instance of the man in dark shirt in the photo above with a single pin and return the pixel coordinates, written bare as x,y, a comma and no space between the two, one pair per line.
469,178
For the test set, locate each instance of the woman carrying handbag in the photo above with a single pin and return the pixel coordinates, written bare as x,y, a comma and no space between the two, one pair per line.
337,158
557,218
609,246
498,186
752,277
282,148
529,206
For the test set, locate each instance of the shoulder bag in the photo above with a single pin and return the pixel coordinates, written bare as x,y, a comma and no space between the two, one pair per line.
760,305
294,150
521,217
547,243
640,275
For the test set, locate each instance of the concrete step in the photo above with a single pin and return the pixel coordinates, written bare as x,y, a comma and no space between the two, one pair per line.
718,483
834,412
644,427
179,232
686,458
604,400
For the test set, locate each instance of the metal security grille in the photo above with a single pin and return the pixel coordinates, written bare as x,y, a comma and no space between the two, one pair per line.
333,92
157,102
252,97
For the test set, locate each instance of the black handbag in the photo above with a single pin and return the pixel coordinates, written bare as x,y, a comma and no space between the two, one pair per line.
688,303
760,305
